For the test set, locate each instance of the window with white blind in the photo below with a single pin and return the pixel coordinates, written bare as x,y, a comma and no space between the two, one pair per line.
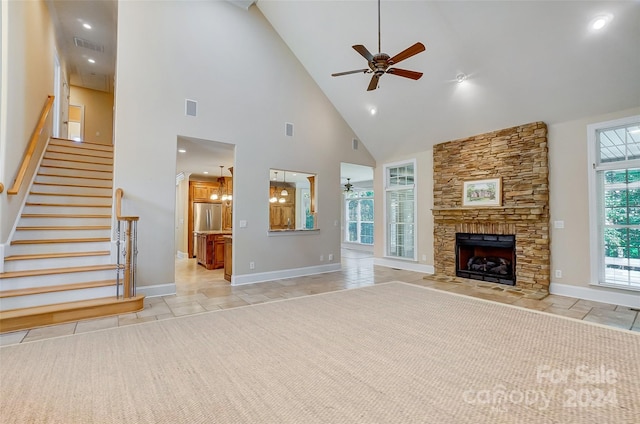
400,188
615,203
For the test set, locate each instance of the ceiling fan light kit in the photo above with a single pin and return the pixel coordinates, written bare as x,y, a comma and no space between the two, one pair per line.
380,63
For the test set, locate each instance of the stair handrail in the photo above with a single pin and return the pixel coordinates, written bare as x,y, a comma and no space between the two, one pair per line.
31,147
130,251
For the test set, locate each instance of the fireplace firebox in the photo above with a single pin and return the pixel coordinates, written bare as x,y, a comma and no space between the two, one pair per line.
486,257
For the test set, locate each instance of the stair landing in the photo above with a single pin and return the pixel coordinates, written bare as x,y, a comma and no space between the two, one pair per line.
27,318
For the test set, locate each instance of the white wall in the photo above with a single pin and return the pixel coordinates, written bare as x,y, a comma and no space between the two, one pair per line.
247,84
569,201
27,78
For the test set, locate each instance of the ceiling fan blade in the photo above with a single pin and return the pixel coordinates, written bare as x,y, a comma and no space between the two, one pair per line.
405,73
357,71
364,52
374,82
407,53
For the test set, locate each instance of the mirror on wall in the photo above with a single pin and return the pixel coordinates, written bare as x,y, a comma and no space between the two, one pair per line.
292,200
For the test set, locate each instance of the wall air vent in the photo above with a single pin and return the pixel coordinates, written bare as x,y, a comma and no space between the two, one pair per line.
354,144
86,44
191,107
288,129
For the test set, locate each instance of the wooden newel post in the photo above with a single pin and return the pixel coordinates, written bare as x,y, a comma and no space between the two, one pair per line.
130,253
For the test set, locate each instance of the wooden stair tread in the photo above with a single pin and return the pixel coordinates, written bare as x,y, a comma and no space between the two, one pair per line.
64,228
51,271
57,288
71,185
46,174
91,162
75,168
65,205
69,240
65,141
56,255
43,193
62,215
85,154
22,319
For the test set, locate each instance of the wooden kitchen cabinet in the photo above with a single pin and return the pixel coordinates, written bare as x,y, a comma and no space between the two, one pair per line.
211,250
228,269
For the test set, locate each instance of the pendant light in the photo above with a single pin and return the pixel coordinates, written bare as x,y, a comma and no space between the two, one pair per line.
273,198
284,191
217,195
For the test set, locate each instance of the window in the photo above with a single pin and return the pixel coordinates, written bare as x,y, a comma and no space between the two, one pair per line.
400,210
615,203
359,219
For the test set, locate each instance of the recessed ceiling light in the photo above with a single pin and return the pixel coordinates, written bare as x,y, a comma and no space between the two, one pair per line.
86,25
91,60
600,22
461,77
182,151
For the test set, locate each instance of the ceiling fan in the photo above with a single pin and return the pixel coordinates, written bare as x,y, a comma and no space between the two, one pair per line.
380,63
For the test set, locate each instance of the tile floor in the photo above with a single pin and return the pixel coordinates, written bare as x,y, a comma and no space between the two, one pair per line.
199,290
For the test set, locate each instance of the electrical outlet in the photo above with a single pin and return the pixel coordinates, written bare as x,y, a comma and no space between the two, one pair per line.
558,273
321,258
424,258
330,257
252,265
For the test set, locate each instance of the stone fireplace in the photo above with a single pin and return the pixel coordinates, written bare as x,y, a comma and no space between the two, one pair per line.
518,156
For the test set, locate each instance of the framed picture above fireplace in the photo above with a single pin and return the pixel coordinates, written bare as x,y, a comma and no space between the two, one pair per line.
482,193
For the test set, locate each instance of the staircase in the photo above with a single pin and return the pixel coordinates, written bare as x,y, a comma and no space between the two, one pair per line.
58,266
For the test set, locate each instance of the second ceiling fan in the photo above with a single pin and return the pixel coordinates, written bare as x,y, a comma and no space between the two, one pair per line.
380,63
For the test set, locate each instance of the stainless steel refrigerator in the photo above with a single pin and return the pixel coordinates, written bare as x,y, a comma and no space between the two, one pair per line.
206,217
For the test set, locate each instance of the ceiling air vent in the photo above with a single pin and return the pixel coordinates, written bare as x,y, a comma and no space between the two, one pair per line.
79,42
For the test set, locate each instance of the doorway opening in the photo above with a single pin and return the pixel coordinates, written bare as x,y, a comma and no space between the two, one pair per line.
204,213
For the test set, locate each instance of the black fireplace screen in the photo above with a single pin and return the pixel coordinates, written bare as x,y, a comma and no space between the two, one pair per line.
486,257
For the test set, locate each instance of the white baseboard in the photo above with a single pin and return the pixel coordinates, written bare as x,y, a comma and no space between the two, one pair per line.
182,255
260,277
597,294
406,265
157,290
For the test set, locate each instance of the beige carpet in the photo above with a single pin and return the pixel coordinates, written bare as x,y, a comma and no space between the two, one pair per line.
390,353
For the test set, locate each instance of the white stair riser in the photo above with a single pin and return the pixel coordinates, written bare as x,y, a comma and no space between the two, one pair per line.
31,264
76,165
73,180
29,301
56,279
78,173
63,210
60,189
26,222
78,145
43,198
28,249
76,157
60,234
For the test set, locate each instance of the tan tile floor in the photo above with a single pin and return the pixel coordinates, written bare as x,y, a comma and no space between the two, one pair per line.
199,290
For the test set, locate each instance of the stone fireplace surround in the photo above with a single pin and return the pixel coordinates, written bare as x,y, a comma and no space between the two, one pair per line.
518,155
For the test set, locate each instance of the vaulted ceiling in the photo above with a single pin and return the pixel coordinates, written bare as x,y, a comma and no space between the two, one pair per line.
524,61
